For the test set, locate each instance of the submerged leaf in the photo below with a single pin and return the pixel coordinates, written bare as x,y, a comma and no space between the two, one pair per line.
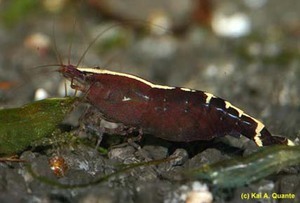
20,127
237,172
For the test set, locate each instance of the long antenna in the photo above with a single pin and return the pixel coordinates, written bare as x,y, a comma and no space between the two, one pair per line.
58,56
70,46
107,29
93,42
47,65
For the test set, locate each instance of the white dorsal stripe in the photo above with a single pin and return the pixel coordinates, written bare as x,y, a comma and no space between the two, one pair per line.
257,140
240,112
208,97
102,71
187,89
259,126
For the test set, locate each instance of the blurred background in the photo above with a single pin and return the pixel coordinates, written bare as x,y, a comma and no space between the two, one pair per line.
244,51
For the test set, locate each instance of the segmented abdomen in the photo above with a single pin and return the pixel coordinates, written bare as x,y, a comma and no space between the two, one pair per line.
184,115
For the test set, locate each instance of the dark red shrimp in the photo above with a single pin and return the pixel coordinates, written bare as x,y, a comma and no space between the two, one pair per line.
172,113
